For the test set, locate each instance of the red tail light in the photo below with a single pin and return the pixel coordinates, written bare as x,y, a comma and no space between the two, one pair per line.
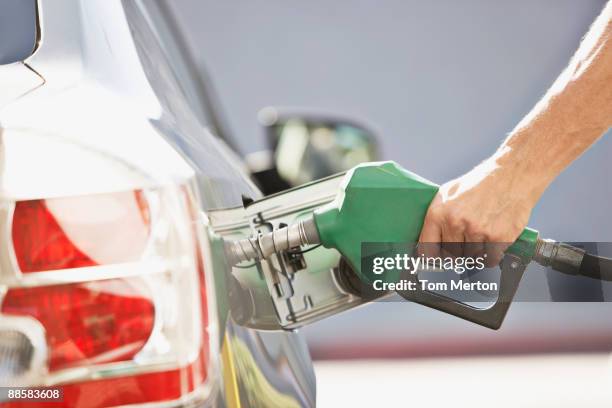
87,239
87,323
40,244
116,283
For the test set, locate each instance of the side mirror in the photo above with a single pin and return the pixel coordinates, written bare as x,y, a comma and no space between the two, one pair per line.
18,29
304,147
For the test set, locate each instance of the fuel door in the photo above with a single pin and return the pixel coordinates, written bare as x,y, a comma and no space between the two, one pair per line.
291,288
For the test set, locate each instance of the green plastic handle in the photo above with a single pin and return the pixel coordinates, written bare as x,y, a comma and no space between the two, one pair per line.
525,246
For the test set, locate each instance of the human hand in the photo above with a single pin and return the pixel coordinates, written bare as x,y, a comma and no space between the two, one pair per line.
483,211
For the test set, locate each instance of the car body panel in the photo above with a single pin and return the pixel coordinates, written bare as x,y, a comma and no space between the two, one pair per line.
117,111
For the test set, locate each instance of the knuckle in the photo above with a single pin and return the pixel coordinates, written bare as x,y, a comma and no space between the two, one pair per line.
456,220
435,215
497,236
435,211
474,228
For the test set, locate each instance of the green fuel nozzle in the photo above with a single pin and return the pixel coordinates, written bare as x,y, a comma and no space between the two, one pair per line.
386,204
377,202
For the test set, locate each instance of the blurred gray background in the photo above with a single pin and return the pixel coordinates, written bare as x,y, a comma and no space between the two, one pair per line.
443,81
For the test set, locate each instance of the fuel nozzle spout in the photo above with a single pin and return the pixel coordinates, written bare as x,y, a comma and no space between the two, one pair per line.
265,244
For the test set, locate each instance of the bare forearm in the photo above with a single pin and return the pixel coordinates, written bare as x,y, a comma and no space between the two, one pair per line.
573,114
493,201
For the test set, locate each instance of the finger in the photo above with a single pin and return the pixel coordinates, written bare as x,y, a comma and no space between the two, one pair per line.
474,245
494,252
452,240
430,238
473,249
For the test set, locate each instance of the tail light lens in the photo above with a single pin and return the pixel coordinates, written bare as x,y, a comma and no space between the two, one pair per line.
95,322
117,283
41,244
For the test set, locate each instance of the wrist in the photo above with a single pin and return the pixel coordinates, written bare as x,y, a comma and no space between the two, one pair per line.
523,176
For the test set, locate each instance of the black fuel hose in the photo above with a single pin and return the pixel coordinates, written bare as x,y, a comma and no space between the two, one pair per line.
596,267
572,260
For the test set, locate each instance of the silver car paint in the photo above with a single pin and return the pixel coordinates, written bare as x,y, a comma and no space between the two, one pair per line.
114,82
